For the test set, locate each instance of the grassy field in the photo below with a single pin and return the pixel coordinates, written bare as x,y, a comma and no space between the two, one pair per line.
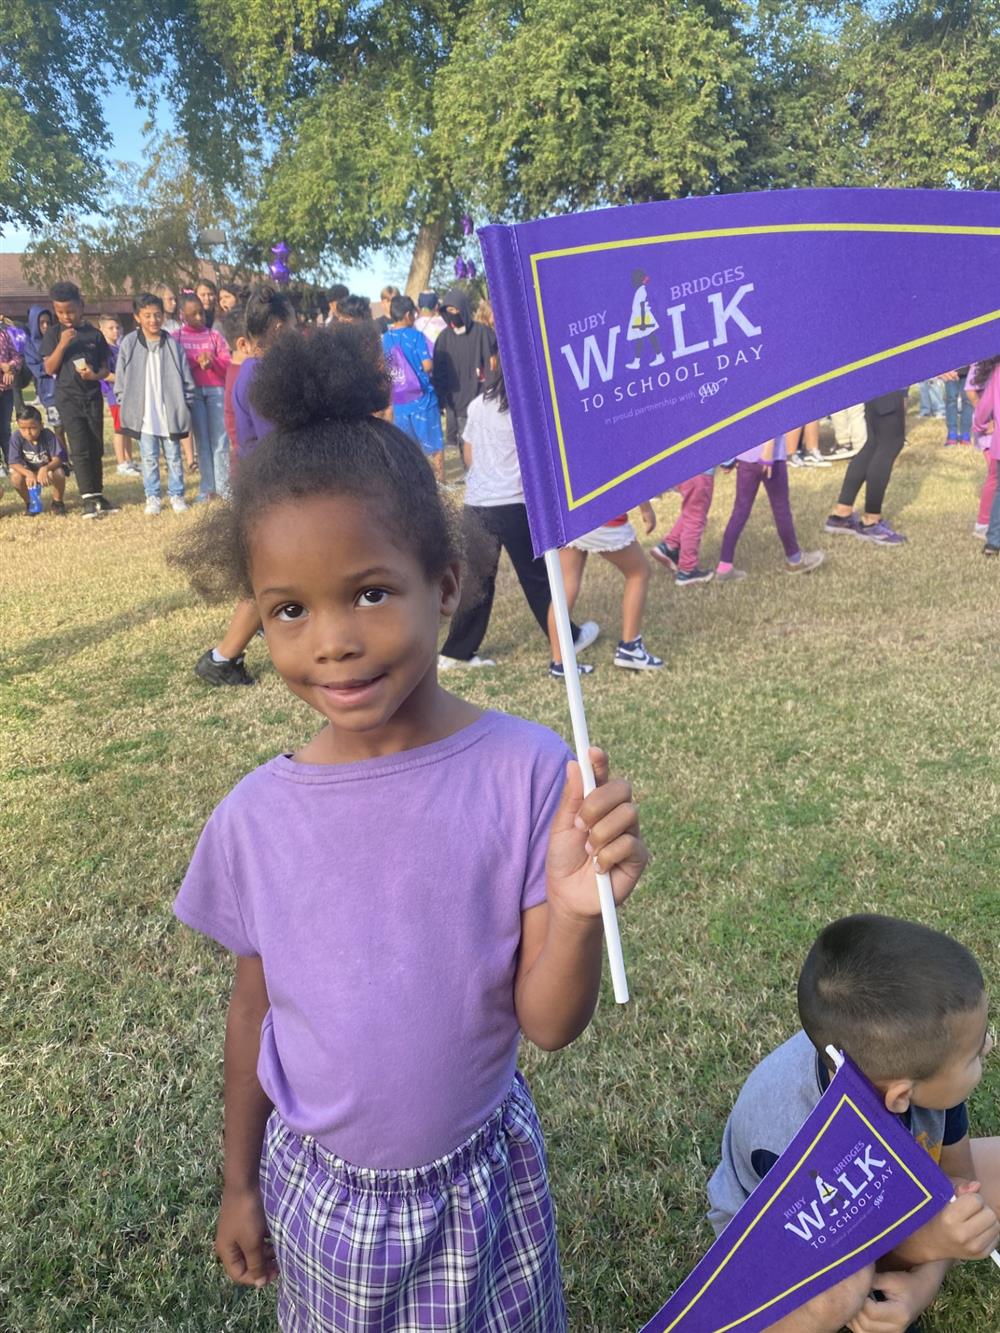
817,745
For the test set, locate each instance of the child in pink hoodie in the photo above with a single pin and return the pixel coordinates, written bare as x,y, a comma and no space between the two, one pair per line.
208,357
984,383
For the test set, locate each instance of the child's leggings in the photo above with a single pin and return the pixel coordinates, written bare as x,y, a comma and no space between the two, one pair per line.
988,491
748,479
687,532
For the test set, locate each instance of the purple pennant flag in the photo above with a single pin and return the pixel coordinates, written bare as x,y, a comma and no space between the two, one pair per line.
850,1187
642,345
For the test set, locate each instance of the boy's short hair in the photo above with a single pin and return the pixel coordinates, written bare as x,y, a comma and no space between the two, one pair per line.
29,413
234,326
64,292
337,293
885,991
145,299
108,319
400,307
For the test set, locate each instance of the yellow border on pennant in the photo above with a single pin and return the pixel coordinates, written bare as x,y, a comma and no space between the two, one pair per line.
848,1101
902,228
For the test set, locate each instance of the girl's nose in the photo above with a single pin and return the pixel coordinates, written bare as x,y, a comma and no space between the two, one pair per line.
336,638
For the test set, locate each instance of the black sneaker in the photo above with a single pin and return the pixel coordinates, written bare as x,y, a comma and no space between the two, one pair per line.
685,576
104,505
58,507
90,509
558,672
666,555
230,672
990,551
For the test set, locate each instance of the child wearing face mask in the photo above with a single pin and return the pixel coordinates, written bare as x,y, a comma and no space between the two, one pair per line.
465,357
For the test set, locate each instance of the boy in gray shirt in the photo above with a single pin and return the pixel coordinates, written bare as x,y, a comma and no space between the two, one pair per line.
908,1005
154,388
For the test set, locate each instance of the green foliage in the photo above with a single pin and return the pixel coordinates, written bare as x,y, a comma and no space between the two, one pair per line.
562,105
919,83
51,129
144,236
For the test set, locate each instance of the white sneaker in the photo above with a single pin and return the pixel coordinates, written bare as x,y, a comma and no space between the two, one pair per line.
980,530
810,560
133,469
178,504
450,663
817,460
796,460
153,505
589,632
123,470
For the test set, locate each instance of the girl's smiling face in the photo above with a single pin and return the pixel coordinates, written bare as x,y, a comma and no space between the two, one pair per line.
351,620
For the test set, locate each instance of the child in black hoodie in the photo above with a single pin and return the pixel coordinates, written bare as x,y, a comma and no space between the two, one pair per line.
465,355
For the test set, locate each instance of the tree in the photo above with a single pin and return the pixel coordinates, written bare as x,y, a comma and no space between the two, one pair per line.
594,105
918,81
52,132
145,234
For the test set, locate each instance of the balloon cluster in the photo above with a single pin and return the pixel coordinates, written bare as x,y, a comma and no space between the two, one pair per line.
465,268
278,268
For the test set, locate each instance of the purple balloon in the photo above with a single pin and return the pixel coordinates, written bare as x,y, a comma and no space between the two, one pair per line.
281,250
470,269
467,227
278,271
460,268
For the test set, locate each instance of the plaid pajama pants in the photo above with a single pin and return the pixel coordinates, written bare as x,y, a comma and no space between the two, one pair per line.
466,1244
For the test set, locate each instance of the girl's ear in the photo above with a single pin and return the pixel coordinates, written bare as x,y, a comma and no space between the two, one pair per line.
451,589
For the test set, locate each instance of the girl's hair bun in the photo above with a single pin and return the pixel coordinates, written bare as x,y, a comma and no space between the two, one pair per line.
335,374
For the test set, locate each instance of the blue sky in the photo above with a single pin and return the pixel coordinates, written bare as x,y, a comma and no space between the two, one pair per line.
126,126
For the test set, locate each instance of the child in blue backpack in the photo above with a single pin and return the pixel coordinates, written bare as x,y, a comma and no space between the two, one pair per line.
409,360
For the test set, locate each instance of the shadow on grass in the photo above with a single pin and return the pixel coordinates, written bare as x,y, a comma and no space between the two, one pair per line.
75,639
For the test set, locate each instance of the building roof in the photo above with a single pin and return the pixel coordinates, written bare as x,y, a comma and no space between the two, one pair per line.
17,294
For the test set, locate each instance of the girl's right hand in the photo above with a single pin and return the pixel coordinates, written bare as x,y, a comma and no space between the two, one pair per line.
241,1238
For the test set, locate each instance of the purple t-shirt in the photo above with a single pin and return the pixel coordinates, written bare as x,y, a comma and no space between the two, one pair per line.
250,426
385,898
756,454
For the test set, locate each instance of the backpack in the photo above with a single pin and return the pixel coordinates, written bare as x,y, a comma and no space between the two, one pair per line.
409,382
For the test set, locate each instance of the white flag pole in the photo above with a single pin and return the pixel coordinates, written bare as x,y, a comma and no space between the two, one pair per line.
581,741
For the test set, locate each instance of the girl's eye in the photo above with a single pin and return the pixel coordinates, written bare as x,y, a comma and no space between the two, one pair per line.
290,611
372,597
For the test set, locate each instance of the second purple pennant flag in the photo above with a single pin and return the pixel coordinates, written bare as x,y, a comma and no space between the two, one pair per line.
644,344
850,1187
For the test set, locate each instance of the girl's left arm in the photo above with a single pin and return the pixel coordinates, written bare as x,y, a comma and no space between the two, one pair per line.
562,939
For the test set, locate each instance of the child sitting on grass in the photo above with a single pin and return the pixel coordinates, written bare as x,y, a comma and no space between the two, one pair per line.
36,457
908,1005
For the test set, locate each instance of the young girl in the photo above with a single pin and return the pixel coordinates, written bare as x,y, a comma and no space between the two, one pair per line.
617,543
208,356
984,381
980,375
111,328
409,357
377,1134
268,313
764,463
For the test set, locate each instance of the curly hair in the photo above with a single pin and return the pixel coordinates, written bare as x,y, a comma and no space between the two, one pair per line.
321,393
984,369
